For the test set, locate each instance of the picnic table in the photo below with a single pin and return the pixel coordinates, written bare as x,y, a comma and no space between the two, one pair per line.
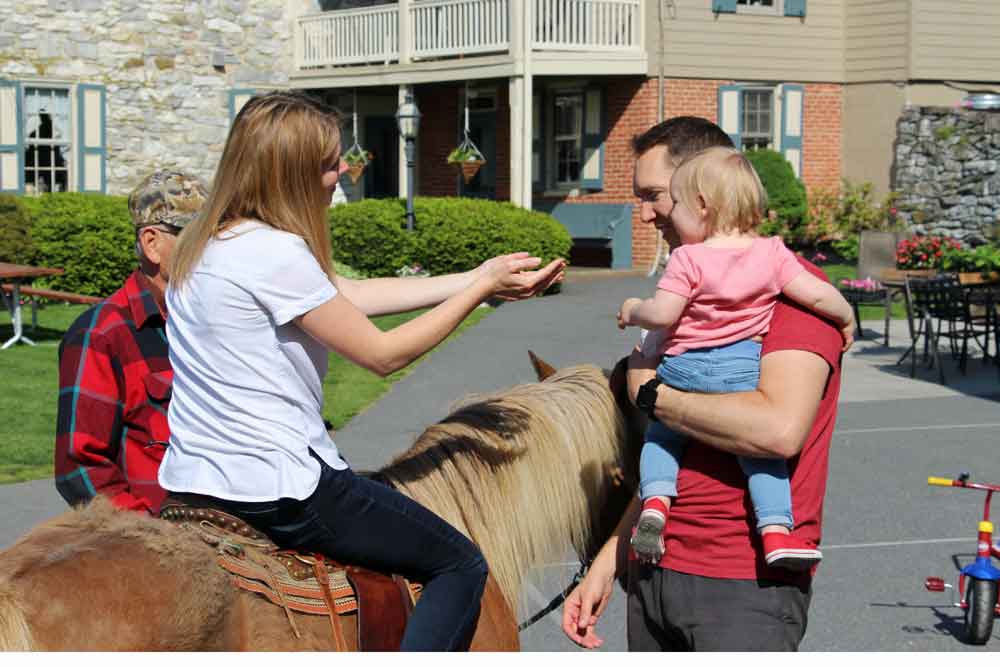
16,273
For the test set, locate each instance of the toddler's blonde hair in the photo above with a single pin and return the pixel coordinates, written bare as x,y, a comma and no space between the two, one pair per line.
730,187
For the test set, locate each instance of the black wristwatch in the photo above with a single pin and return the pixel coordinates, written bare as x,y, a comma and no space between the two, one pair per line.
645,400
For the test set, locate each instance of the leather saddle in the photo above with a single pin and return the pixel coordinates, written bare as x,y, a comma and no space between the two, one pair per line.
301,582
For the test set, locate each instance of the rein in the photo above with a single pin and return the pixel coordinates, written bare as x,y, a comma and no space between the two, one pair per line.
557,600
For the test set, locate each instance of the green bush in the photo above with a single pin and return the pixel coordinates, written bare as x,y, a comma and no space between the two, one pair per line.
451,234
786,195
89,236
16,244
369,235
982,259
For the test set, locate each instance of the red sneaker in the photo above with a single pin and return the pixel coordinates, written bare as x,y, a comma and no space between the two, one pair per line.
789,552
647,541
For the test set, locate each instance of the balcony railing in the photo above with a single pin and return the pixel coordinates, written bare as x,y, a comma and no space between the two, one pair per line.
454,28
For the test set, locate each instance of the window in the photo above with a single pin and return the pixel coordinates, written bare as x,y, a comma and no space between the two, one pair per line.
758,127
568,126
47,139
758,6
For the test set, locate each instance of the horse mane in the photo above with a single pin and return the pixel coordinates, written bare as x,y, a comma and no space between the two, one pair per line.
520,471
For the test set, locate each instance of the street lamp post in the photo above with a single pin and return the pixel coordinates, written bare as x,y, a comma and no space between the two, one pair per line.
408,117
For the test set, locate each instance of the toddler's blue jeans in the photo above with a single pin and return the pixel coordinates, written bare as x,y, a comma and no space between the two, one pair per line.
716,370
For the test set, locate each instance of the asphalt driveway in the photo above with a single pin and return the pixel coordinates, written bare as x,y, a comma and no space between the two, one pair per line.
885,529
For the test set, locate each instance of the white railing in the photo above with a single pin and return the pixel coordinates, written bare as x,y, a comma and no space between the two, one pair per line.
587,25
451,27
455,28
348,37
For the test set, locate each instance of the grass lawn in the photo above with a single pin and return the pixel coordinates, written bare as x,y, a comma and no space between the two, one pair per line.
30,383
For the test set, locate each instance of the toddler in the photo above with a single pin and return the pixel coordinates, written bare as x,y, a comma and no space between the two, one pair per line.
711,307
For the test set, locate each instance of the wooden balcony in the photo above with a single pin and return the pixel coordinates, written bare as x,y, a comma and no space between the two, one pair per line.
434,30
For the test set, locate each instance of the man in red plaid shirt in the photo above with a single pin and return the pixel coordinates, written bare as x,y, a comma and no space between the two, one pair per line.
114,372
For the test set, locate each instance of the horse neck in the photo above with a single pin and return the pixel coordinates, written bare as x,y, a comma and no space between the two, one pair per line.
528,489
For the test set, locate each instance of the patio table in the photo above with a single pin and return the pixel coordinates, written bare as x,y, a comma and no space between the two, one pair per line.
16,273
978,291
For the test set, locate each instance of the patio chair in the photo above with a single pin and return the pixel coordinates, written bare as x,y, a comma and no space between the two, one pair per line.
876,253
943,299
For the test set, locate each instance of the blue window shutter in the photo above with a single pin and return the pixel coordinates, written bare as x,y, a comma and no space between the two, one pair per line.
792,98
730,113
724,6
11,138
92,143
592,144
237,98
795,8
538,177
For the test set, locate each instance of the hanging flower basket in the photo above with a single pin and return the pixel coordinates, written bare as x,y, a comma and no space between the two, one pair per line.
468,159
357,160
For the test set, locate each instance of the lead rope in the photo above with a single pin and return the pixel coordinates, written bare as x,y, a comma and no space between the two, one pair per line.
557,600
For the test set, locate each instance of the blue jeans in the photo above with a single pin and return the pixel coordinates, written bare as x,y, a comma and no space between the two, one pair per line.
715,370
356,520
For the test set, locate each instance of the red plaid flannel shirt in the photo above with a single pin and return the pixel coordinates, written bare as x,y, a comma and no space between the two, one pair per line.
114,388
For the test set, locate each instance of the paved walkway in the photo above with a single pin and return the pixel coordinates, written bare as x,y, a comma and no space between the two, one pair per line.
885,530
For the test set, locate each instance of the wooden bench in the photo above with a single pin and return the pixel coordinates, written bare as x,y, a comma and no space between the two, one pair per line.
53,295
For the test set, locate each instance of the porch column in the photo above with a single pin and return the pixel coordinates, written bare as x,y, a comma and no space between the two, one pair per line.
405,91
403,38
521,103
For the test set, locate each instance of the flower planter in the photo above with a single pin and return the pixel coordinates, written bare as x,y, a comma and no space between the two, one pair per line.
978,278
470,168
355,171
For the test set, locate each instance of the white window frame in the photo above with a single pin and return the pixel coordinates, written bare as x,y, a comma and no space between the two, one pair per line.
775,129
71,154
777,9
552,175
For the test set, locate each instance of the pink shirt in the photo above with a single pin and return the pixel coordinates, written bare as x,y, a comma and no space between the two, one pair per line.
731,292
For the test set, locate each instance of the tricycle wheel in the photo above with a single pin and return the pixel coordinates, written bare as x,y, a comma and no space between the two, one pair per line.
982,599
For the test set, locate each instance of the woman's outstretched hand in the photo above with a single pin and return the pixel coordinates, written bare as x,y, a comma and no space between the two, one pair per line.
511,276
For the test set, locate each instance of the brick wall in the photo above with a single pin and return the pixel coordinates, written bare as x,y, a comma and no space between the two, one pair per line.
821,134
438,136
631,109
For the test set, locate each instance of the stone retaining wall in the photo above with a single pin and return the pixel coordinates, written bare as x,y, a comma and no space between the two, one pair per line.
947,171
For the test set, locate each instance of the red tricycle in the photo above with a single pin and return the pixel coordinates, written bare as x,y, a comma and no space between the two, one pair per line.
978,582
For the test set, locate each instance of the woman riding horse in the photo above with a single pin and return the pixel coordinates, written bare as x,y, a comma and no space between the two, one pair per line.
255,308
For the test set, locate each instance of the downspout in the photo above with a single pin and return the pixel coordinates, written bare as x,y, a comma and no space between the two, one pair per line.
660,112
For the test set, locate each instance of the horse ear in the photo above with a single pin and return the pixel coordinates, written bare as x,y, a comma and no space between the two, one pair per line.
542,369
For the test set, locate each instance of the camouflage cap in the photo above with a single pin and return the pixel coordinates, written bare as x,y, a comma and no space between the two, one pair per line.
166,198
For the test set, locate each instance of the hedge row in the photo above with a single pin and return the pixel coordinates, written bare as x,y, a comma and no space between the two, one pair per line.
91,237
450,234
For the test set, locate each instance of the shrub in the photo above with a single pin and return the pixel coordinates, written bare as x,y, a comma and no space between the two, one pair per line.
16,244
839,217
982,259
370,236
451,234
89,236
785,193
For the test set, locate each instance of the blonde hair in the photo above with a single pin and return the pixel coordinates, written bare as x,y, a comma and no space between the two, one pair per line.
731,190
271,170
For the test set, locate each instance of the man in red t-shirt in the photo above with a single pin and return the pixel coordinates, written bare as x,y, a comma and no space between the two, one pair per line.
712,589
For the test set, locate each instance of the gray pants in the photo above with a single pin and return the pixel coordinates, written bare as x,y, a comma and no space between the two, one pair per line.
672,611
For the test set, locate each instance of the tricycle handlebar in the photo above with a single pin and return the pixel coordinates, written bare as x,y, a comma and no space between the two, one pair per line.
961,483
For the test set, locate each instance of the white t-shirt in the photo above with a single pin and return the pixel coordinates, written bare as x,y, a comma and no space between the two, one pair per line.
248,382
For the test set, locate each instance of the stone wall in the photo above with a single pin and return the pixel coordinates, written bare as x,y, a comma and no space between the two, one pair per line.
946,171
168,68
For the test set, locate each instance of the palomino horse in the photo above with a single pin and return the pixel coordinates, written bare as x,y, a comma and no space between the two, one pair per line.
523,472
